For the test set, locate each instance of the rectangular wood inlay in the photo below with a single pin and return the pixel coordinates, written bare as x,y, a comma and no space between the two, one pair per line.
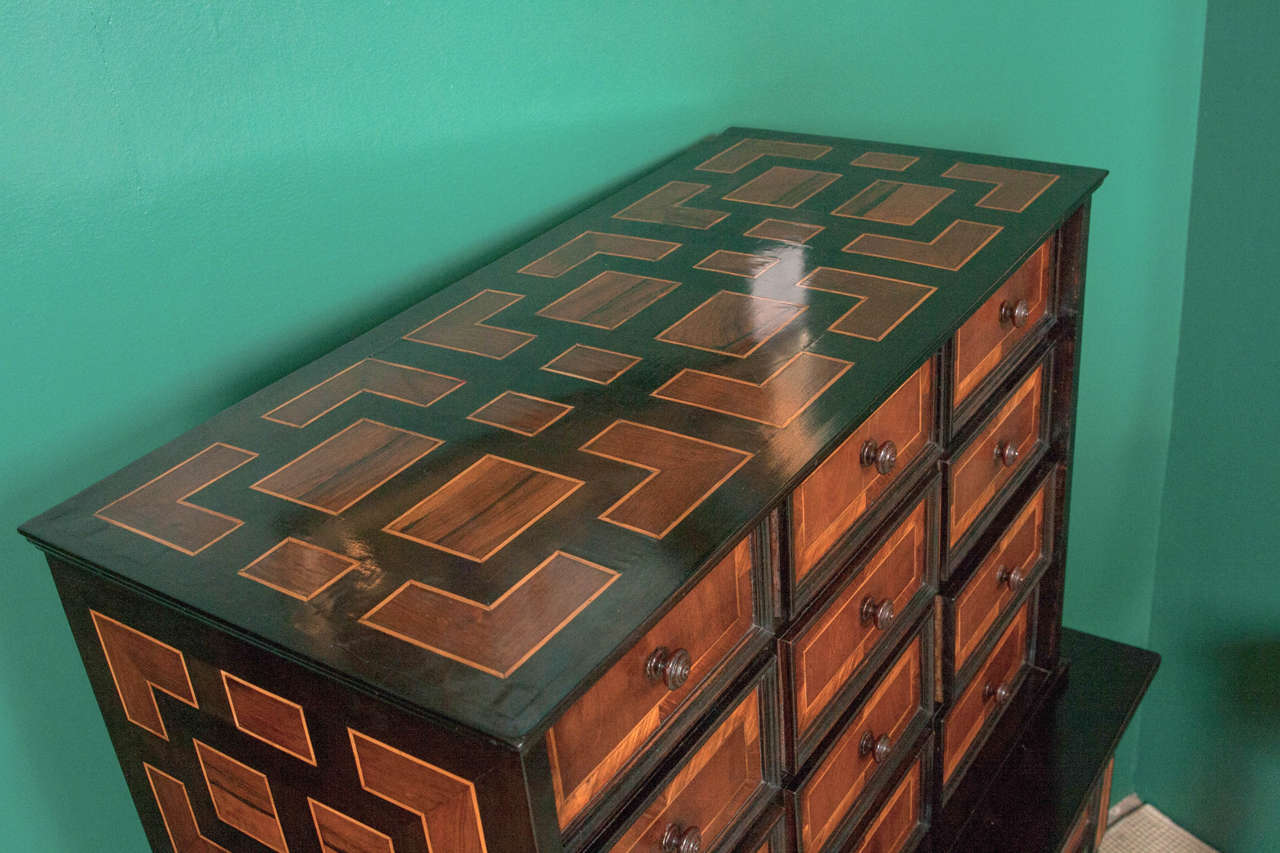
796,233
783,186
608,300
894,202
520,413
600,366
735,324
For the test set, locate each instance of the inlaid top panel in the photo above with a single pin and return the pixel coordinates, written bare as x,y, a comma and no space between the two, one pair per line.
472,506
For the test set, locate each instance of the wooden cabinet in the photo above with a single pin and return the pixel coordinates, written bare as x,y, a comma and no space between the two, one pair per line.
725,515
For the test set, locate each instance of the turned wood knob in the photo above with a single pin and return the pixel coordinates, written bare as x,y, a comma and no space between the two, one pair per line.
881,615
883,455
677,839
670,667
877,747
1001,694
1007,453
1011,578
1015,314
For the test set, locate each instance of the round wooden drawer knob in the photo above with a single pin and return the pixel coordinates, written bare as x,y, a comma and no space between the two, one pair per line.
1007,453
1015,314
1001,694
677,839
877,747
671,668
883,455
881,615
1013,579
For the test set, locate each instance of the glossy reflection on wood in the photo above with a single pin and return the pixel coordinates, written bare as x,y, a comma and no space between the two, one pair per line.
462,328
684,471
736,263
160,511
495,638
783,186
666,206
712,786
894,202
177,815
796,233
730,323
272,719
954,247
776,401
337,473
882,303
619,715
843,773
340,833
589,244
445,803
298,569
140,665
747,151
397,382
241,797
1015,189
608,300
600,366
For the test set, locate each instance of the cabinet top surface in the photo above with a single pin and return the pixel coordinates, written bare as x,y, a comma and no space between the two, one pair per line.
473,505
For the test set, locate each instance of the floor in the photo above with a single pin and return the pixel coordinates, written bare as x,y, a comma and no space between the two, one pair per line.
1138,828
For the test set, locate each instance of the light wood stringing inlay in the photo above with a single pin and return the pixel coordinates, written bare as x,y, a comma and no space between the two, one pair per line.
618,716
340,833
445,803
241,797
477,513
740,264
462,328
336,474
523,414
843,774
882,303
684,471
588,244
592,364
298,569
884,161
776,401
730,323
783,186
270,718
894,202
608,300
795,233
898,818
177,815
950,250
495,638
397,382
747,151
160,511
666,206
1014,190
711,788
140,665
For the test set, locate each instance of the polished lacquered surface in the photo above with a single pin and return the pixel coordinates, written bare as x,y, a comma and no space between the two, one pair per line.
473,506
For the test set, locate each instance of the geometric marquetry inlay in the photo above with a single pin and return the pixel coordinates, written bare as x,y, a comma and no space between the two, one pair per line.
893,202
494,638
523,414
141,665
445,803
747,151
479,511
462,327
158,509
683,472
884,160
587,245
783,186
666,206
608,300
1014,190
340,833
736,263
882,303
271,719
593,364
735,324
950,250
241,797
367,376
783,231
776,401
298,569
178,816
335,474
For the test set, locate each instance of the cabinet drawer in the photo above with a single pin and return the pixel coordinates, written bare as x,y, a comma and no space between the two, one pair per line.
842,776
995,584
1002,448
841,489
827,653
982,700
619,715
1003,321
708,791
899,816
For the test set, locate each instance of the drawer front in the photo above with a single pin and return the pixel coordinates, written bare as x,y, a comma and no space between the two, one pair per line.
1003,321
832,499
826,656
983,468
614,720
1007,567
898,818
842,776
980,701
710,789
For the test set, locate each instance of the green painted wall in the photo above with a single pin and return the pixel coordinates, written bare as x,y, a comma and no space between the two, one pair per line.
1210,750
197,198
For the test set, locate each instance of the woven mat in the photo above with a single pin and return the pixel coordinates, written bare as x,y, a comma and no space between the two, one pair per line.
1146,830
